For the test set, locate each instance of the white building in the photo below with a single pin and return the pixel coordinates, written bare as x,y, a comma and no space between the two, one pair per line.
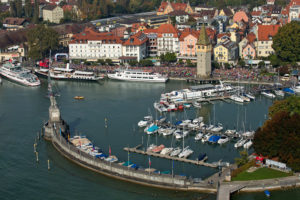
91,45
167,39
135,47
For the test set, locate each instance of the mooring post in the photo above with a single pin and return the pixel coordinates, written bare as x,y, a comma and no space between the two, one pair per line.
48,164
105,121
37,156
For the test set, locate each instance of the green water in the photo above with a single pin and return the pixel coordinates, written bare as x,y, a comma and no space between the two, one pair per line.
23,111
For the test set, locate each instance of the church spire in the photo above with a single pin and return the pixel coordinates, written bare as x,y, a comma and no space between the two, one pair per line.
203,38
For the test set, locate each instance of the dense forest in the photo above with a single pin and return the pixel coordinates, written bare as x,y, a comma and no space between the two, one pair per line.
280,136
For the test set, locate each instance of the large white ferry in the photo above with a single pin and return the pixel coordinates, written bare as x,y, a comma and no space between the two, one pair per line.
19,75
67,74
136,75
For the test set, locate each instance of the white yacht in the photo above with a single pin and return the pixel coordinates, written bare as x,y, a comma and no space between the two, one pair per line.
240,143
296,88
147,120
248,144
160,107
68,73
19,75
166,151
217,128
236,98
268,94
176,151
136,75
279,93
185,152
223,140
199,136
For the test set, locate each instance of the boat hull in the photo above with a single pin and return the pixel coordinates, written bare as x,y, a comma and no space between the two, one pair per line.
15,80
112,76
45,75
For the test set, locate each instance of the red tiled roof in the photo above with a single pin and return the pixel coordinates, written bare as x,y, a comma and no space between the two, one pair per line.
186,32
167,28
286,10
90,34
240,16
223,34
251,37
266,31
137,39
256,13
14,21
175,6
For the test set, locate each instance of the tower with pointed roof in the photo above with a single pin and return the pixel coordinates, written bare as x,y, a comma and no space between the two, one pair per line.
203,49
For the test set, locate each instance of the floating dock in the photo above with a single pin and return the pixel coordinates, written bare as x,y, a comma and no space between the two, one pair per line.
149,153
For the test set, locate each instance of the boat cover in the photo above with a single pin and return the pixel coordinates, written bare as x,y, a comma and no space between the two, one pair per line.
288,90
153,128
214,138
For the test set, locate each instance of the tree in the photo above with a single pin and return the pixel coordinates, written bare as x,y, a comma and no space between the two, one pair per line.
283,70
162,58
275,61
279,136
19,8
286,42
243,158
133,63
241,63
146,63
36,12
13,8
215,65
40,40
109,62
101,61
28,9
261,64
170,57
227,66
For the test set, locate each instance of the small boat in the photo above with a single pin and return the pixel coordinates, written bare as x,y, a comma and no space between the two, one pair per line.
186,152
176,151
161,119
111,159
250,96
196,104
217,128
180,133
248,144
268,94
199,136
166,151
201,157
186,105
223,140
288,90
214,139
186,122
240,143
153,128
152,146
158,149
248,133
168,131
198,120
208,128
79,97
236,98
230,132
206,137
147,120
279,93
267,193
160,107
296,88
172,107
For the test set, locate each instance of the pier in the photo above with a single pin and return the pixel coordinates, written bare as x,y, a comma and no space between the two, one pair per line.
224,191
195,162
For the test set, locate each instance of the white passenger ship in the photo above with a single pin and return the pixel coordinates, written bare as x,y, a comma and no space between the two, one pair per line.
136,75
68,74
18,74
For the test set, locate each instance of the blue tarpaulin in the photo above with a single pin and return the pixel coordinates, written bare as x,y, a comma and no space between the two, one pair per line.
288,90
177,123
214,138
152,128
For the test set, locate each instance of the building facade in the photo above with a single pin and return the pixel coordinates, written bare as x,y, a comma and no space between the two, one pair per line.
53,13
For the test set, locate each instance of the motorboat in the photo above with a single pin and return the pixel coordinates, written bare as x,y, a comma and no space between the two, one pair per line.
196,104
151,147
172,107
165,131
111,159
206,137
138,76
296,88
230,132
248,144
279,93
180,133
186,105
160,107
248,134
79,97
268,94
217,128
198,120
240,143
147,120
201,156
175,152
214,139
186,122
199,136
18,74
250,96
161,119
158,148
245,98
153,128
223,140
209,127
236,98
186,152
166,151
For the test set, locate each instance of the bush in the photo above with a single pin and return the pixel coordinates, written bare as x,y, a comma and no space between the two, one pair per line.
242,168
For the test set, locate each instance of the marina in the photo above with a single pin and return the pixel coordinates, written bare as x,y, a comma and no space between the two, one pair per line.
86,119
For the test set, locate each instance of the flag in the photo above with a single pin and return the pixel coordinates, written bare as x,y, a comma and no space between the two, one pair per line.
149,162
109,151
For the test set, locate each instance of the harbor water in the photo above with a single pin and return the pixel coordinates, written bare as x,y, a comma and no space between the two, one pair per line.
23,111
